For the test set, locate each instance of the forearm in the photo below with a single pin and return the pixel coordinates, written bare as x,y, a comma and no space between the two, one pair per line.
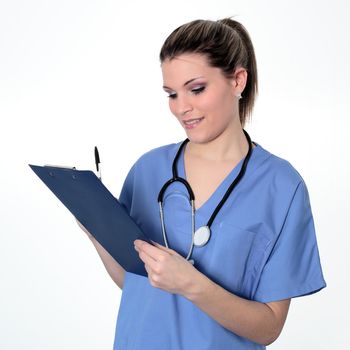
115,271
250,319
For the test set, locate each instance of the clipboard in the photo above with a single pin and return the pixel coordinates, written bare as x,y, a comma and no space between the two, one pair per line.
93,205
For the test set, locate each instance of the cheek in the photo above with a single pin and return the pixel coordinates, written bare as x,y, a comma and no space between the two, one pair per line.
172,107
219,104
210,104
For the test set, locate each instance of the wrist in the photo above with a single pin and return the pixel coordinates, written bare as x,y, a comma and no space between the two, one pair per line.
198,287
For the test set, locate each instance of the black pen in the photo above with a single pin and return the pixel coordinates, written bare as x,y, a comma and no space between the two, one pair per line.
97,161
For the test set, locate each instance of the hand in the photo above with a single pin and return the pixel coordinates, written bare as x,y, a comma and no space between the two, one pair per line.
166,269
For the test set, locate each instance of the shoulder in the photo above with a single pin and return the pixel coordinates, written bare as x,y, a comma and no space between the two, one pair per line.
150,168
281,172
155,163
280,186
158,155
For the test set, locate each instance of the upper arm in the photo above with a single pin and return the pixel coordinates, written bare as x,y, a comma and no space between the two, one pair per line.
293,266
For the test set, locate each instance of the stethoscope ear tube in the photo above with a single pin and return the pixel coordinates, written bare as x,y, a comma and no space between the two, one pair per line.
176,178
169,182
235,182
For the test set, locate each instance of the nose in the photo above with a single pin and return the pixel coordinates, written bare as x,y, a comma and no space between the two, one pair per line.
183,105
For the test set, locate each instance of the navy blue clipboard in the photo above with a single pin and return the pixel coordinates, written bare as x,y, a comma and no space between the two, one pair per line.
85,196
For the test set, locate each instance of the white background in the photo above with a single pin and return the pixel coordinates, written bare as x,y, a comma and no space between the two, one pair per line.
75,74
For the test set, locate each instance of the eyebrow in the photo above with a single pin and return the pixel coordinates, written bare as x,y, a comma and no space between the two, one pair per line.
187,82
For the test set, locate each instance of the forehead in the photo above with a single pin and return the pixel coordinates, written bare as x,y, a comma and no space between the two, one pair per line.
184,67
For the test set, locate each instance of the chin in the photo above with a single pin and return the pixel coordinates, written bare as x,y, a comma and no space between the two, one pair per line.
200,139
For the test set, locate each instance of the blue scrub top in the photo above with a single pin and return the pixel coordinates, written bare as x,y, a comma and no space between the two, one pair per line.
263,248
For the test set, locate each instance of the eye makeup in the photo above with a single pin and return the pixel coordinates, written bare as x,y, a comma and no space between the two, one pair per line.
197,89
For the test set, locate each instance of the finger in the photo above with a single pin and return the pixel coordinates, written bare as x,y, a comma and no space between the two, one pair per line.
147,259
165,249
147,269
150,250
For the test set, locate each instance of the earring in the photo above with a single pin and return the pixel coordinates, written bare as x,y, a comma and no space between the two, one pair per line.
239,96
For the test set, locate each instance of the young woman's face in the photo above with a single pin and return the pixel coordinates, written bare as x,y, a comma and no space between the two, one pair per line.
200,96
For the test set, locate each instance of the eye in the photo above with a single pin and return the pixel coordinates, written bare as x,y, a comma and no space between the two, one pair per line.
172,96
198,90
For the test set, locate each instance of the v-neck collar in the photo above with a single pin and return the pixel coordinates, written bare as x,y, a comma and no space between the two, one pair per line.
210,204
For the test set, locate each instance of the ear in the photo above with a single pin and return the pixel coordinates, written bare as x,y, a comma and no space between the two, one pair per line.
239,80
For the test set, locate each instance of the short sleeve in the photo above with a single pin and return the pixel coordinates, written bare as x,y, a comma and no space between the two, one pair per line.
293,268
127,190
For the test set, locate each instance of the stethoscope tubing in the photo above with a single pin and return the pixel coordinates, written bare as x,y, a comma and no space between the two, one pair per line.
176,178
234,183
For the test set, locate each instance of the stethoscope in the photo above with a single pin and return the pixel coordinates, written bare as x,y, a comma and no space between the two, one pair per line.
201,236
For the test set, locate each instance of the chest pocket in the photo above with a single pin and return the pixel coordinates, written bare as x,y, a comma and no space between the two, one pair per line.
233,258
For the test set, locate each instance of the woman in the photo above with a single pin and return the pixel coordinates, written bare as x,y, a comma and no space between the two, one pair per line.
260,250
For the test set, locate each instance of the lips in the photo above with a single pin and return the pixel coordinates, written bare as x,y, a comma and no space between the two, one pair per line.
191,123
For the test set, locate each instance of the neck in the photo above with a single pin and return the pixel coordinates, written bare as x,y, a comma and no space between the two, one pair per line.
229,146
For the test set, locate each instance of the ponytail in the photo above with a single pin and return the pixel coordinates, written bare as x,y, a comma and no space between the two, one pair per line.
248,62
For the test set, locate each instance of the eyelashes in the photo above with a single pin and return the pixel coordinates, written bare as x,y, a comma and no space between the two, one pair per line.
198,90
195,91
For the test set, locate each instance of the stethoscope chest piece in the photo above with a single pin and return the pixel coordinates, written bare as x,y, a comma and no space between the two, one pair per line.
201,236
